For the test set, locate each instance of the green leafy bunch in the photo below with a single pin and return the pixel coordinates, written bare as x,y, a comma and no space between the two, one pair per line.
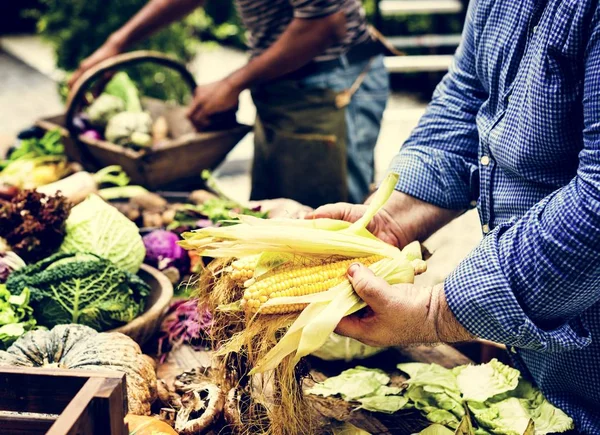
16,316
81,288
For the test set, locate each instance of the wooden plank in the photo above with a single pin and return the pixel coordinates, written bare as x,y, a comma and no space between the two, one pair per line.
25,424
110,400
77,418
425,63
410,7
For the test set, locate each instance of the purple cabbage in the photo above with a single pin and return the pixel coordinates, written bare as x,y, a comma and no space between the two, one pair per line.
163,252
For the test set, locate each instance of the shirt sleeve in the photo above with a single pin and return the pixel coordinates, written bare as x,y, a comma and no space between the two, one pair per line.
308,9
528,283
438,163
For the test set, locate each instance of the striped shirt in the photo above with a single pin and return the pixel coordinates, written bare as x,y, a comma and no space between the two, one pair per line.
266,20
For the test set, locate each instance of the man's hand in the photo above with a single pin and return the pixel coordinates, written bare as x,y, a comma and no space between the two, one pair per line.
382,225
399,315
404,218
211,99
108,50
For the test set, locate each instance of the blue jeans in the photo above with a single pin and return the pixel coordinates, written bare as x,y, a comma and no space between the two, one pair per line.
363,118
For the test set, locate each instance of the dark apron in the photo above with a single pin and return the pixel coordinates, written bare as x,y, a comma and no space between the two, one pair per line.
299,144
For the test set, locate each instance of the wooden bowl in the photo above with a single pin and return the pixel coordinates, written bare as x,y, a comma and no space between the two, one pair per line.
143,327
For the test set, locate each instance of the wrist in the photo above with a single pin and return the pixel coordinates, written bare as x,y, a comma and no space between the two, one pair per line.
447,328
237,81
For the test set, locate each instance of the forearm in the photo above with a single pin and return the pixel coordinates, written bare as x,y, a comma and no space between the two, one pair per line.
155,15
301,42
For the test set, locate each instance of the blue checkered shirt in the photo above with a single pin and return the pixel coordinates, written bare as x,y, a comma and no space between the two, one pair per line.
514,129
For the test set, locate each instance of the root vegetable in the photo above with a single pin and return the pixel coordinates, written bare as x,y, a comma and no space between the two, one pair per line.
199,197
151,219
150,202
80,185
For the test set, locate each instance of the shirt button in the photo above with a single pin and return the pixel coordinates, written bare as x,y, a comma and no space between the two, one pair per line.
473,203
534,29
485,160
485,228
513,350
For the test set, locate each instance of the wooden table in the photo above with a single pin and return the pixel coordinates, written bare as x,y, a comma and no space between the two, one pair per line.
400,423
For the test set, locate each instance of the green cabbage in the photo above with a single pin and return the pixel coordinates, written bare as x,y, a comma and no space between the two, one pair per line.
97,227
80,288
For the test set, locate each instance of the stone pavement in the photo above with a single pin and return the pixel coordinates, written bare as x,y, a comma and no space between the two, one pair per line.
26,95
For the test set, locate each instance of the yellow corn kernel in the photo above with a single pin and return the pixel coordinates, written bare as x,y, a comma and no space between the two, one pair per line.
297,281
242,269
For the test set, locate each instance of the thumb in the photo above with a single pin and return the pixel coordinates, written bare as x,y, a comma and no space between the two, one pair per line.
367,285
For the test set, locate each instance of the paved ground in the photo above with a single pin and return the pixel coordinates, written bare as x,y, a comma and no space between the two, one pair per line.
26,94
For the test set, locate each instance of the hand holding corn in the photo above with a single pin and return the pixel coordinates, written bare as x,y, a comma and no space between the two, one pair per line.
399,315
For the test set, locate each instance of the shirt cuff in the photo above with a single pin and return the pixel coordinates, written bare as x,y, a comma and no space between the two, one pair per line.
437,177
480,297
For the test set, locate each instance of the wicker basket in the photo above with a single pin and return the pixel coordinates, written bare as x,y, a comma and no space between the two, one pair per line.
177,161
143,327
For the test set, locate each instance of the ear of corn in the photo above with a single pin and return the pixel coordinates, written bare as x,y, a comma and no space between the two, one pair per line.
270,254
296,281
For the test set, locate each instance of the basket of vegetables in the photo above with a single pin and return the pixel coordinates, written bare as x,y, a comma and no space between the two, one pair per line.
110,123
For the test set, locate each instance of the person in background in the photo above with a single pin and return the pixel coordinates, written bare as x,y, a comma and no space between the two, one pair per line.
318,82
513,129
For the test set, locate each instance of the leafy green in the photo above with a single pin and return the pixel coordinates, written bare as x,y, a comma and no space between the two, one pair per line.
49,145
81,288
35,162
480,382
436,429
122,86
15,316
449,398
97,227
366,386
387,404
499,401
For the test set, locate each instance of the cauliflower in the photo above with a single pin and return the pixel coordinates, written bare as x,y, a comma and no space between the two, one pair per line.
130,129
104,108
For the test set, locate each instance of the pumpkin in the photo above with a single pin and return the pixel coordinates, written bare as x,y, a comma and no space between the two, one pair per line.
143,425
81,347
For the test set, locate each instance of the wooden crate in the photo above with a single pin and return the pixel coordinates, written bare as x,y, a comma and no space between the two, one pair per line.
62,402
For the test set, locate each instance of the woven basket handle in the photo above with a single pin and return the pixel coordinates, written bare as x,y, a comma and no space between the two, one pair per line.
111,64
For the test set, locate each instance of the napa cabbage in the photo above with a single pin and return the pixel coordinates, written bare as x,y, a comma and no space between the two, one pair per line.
97,227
